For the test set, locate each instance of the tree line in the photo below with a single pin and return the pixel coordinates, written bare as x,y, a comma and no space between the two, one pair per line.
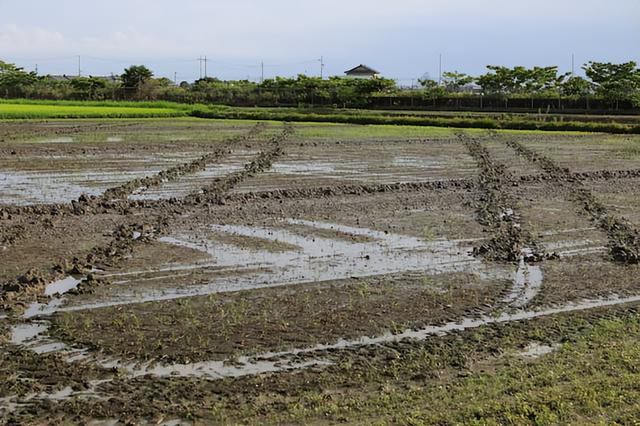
610,82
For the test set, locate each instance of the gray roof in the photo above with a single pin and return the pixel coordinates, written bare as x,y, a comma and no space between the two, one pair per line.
361,69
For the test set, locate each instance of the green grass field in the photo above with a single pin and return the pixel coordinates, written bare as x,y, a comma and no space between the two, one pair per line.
30,109
61,109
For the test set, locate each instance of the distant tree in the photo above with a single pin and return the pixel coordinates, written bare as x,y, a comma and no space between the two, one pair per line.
88,87
575,86
541,79
519,80
135,76
431,88
454,81
615,82
14,80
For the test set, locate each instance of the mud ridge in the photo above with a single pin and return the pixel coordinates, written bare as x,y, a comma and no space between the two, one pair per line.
624,239
496,211
216,192
176,172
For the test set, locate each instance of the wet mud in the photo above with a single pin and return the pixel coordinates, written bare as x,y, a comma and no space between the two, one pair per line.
235,302
624,238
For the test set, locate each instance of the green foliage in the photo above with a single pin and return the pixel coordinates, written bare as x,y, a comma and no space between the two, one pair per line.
609,82
512,123
519,80
31,109
135,76
614,81
454,81
431,88
13,80
575,86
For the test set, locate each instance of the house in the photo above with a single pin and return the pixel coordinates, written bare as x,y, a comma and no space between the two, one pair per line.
362,71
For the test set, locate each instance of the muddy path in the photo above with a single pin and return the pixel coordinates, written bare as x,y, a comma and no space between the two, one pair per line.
624,238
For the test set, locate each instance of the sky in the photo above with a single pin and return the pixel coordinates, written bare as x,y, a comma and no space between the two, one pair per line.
403,39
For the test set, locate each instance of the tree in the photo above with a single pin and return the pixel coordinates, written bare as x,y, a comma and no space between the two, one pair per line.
135,76
14,80
520,80
615,82
88,87
431,88
575,86
454,81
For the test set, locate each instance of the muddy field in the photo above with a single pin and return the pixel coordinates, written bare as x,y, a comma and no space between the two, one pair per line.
198,271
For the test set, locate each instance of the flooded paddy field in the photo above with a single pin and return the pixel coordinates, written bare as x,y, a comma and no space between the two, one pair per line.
183,271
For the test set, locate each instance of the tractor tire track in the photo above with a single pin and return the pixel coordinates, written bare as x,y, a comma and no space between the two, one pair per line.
113,199
624,239
31,286
496,211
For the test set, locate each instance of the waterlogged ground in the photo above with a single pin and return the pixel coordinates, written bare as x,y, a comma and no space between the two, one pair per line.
200,271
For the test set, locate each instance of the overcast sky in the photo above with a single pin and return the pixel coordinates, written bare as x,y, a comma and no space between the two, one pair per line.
400,38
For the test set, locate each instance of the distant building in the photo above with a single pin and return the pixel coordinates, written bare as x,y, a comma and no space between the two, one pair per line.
60,77
362,71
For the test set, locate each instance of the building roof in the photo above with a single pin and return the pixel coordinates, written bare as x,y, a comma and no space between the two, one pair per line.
361,69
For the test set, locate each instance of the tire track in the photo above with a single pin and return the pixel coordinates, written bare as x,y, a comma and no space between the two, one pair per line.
113,199
496,211
624,239
31,285
176,172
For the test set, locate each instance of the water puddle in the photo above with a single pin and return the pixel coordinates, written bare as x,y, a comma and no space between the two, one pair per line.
115,139
25,188
303,168
311,258
463,324
527,281
22,334
243,366
62,286
536,350
418,162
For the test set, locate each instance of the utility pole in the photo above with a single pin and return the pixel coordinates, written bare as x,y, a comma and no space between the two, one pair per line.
262,72
205,67
573,65
175,78
200,61
321,67
79,70
36,69
440,70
